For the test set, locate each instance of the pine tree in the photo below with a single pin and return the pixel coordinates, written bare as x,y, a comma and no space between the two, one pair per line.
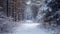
53,16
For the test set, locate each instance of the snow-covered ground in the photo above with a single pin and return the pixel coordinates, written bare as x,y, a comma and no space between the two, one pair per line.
31,28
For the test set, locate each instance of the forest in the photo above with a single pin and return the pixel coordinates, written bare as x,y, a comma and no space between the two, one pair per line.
14,12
